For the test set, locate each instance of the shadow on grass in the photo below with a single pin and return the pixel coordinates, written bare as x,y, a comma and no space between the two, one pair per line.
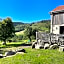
15,45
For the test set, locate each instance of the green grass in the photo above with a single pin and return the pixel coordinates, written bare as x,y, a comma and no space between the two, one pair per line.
36,57
32,56
12,44
20,33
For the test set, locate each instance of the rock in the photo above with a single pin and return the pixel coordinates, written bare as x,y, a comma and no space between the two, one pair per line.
61,48
21,50
1,56
39,41
3,43
37,46
46,46
54,46
33,44
9,53
20,53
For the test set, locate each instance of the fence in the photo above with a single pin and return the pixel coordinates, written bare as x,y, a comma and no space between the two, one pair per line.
42,38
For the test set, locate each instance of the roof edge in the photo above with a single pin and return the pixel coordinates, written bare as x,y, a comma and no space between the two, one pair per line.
58,11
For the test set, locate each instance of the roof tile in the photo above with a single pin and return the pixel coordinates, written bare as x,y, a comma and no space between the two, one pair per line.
59,8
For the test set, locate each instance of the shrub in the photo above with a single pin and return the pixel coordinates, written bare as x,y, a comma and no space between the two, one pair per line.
15,39
20,37
32,37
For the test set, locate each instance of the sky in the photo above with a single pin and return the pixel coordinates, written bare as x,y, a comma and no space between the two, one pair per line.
28,11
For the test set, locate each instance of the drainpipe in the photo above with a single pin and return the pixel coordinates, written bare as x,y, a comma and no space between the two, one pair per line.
36,36
51,24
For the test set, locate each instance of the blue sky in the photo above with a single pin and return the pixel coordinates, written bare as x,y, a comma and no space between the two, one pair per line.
28,11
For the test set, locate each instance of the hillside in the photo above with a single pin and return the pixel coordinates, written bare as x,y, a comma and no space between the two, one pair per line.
19,26
20,32
43,26
17,23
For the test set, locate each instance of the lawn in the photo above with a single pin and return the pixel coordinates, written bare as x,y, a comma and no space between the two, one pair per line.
13,44
33,56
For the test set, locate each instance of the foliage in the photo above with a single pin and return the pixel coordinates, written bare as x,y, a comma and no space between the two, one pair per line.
32,37
43,26
28,32
30,29
34,33
15,39
20,37
6,29
25,37
19,28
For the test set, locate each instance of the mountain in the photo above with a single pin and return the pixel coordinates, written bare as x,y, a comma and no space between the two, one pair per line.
17,23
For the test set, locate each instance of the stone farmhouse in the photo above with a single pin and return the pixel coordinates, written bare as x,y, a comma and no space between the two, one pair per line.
54,39
57,20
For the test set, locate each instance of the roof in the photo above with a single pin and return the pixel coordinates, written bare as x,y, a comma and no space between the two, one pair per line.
59,8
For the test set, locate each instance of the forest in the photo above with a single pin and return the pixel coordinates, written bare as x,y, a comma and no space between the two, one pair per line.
22,28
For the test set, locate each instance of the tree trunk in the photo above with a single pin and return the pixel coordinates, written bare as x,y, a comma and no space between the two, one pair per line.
30,39
4,42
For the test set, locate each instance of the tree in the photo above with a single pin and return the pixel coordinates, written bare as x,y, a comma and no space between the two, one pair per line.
7,30
34,32
28,32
